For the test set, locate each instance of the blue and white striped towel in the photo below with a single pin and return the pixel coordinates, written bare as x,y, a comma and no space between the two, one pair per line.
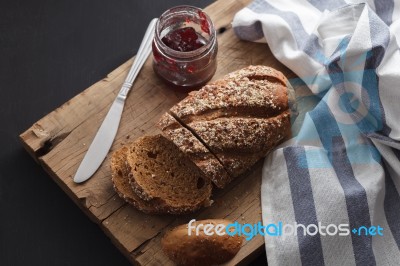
343,165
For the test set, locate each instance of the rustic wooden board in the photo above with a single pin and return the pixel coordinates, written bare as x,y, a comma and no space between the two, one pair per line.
59,141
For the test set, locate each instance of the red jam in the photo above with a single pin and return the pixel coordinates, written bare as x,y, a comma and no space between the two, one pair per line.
203,22
185,47
184,40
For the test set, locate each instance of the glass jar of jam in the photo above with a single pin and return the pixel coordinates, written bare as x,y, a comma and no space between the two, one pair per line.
185,47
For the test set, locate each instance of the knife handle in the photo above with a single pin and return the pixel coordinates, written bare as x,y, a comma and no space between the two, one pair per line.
142,54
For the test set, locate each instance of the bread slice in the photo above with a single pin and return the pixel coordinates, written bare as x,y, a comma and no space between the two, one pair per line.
120,170
194,149
240,142
160,171
240,117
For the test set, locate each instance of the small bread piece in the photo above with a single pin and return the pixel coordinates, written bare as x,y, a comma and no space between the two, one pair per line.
202,249
194,149
120,170
160,171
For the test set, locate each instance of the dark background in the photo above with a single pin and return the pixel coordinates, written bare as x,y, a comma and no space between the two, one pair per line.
50,51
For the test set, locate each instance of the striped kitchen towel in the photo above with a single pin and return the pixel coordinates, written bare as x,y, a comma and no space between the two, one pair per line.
330,195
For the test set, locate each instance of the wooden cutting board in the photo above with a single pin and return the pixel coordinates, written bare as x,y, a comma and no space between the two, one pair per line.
59,141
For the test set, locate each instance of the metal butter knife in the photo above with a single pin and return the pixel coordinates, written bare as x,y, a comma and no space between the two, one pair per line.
104,138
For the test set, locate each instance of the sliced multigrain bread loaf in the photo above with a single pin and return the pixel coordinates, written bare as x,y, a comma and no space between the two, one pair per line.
120,171
240,117
194,149
160,171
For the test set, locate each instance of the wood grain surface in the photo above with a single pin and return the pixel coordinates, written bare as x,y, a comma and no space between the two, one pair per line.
59,141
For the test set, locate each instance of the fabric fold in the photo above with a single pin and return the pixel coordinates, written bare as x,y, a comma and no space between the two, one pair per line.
341,168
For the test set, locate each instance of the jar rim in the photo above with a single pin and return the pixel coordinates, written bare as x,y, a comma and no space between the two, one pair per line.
189,54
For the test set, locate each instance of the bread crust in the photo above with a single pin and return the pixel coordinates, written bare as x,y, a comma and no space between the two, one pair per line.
255,91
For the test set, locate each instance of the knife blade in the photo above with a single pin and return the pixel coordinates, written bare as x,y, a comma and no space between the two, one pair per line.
104,138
